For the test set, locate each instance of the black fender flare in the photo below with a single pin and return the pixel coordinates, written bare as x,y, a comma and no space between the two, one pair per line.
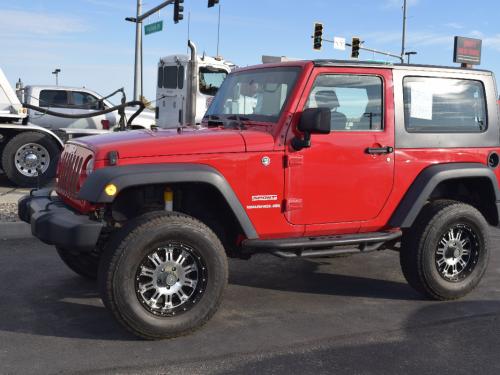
149,174
425,183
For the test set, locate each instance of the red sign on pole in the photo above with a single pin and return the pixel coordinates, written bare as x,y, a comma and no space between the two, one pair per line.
467,50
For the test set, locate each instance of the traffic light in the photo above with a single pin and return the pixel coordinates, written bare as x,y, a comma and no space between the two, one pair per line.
318,36
211,3
355,47
178,9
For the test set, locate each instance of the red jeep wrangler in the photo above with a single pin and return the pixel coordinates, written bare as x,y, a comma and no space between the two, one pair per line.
298,159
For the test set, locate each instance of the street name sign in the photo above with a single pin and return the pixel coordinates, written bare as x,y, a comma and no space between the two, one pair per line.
153,27
339,43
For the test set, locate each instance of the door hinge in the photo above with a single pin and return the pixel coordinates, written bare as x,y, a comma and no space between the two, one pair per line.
292,204
293,160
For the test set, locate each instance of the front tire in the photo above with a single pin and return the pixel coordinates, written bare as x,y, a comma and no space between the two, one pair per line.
445,254
163,275
28,154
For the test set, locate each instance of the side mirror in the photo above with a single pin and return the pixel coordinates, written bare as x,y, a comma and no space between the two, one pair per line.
312,121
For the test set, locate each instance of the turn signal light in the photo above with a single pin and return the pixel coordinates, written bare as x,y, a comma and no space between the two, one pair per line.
110,189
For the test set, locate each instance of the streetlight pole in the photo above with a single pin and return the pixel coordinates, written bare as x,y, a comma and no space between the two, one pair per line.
408,54
138,54
404,30
56,73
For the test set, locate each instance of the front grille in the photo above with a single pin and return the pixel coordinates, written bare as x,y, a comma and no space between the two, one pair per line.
70,169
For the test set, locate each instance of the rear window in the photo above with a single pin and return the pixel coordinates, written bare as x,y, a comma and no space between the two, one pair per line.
444,105
53,98
170,77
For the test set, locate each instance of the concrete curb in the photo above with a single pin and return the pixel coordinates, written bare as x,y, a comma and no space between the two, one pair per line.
14,230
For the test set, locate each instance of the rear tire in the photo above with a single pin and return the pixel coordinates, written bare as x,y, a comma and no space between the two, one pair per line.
84,264
445,254
163,275
26,152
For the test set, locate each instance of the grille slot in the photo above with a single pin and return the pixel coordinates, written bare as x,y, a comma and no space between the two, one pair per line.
70,168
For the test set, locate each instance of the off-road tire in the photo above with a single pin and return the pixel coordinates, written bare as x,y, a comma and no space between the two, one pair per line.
84,264
121,260
9,157
420,242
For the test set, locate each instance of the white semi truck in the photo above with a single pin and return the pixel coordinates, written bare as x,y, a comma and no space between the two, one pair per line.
186,85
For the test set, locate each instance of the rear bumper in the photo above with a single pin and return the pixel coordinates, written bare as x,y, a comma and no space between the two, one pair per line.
55,224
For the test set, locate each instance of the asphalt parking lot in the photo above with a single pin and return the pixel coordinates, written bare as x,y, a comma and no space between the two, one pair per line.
345,315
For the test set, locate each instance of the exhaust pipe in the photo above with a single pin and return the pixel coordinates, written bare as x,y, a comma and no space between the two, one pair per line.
193,85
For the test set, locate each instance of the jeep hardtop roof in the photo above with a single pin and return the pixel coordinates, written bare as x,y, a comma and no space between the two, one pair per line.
371,64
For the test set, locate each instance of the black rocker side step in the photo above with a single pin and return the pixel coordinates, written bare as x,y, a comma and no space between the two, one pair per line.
324,245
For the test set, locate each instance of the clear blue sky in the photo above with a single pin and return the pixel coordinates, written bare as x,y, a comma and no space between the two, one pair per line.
93,45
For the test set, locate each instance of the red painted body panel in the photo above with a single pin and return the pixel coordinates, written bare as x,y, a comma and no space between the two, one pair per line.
140,143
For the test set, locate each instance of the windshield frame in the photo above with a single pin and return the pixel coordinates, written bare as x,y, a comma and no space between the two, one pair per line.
255,118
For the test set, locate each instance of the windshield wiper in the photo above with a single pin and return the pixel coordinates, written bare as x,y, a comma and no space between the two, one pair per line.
236,122
214,121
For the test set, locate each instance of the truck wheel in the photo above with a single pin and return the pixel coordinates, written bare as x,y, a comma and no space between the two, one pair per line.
445,254
26,152
163,275
84,264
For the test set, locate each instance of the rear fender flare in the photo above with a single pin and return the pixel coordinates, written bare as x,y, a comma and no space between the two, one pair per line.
425,183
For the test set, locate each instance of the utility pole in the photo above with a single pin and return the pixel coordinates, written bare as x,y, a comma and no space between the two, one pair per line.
404,30
138,54
138,42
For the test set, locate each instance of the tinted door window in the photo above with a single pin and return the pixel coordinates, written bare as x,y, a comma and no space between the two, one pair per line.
443,105
211,80
53,98
83,100
355,101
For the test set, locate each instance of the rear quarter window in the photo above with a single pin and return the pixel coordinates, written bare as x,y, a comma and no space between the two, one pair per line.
444,105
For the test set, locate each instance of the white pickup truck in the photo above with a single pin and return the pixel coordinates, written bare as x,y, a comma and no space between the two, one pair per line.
31,141
75,100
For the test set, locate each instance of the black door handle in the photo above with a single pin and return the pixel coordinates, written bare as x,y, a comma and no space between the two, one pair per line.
379,150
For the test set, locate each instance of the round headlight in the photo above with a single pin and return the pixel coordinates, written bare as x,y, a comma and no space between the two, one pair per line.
89,168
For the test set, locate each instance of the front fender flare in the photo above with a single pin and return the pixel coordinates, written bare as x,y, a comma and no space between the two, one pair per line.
149,174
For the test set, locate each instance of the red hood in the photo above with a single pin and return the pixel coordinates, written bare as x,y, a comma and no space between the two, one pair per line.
140,143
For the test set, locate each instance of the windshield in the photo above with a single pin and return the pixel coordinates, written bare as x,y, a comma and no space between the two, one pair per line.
256,95
211,79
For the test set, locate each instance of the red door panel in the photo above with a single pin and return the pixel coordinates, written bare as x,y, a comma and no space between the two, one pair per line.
336,180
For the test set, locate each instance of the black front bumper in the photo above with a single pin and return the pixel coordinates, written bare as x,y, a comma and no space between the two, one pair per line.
55,224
